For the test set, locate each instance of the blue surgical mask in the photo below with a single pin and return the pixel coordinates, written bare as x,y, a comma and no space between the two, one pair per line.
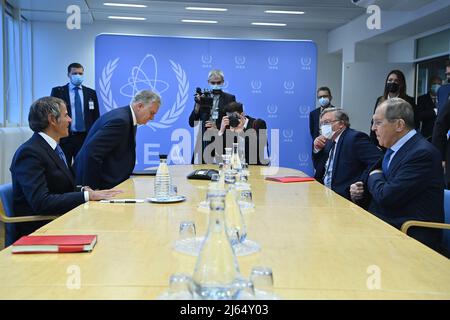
324,101
327,130
435,88
216,87
76,79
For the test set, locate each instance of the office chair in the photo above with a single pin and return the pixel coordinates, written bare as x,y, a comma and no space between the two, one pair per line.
7,214
446,226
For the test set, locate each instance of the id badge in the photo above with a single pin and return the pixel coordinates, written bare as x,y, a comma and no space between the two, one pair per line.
215,115
91,105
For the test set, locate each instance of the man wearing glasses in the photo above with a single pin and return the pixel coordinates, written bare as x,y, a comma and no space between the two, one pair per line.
341,155
408,183
211,120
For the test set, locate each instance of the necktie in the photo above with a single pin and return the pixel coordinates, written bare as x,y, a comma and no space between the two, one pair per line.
61,154
79,121
329,167
386,158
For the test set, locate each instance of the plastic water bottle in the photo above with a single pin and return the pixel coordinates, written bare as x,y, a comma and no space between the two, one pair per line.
162,179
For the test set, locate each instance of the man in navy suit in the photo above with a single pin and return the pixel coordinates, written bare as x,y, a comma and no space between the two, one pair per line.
43,183
82,106
108,154
341,155
408,183
324,97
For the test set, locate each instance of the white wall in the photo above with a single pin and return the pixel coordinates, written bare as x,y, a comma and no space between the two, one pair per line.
55,47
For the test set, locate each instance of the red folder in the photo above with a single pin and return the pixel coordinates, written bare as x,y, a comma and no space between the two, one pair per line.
288,179
55,244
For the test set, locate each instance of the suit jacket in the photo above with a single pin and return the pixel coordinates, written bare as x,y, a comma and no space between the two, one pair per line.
90,115
426,114
440,140
354,156
413,189
410,100
42,184
255,141
108,154
314,119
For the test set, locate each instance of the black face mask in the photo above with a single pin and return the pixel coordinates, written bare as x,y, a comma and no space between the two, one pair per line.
392,87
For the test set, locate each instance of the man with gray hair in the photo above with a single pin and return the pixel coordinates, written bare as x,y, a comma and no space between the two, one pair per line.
108,154
407,184
341,155
209,116
42,181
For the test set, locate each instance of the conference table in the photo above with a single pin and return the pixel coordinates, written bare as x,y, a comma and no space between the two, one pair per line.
318,244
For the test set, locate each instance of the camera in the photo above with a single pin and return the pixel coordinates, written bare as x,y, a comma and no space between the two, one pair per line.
205,100
234,120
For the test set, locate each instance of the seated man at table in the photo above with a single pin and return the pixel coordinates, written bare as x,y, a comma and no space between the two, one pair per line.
341,155
407,184
43,184
108,155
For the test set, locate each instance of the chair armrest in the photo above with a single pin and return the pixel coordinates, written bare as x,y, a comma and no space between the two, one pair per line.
414,223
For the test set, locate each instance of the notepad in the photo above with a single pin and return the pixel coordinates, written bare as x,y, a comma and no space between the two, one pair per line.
288,179
54,244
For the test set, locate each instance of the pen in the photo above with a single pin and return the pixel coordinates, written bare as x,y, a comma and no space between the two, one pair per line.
122,201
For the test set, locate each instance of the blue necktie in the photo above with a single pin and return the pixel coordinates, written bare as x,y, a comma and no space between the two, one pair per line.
386,158
61,154
79,121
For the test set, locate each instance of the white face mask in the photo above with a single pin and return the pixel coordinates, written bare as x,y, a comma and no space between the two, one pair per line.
327,130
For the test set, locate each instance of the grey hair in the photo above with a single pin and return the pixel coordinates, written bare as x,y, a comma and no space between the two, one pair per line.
340,115
146,97
41,109
216,73
397,108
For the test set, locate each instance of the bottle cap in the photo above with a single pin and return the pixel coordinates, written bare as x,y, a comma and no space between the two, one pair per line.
163,156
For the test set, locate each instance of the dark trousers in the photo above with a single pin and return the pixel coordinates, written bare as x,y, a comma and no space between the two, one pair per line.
72,144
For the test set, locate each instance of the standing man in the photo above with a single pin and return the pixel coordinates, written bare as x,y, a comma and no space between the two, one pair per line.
441,141
82,106
210,117
342,155
108,155
43,183
408,183
324,97
427,108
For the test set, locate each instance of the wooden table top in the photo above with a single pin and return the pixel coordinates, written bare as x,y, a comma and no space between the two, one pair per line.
318,244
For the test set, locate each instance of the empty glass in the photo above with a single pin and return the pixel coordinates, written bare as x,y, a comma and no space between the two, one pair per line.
180,287
245,288
262,279
245,199
187,230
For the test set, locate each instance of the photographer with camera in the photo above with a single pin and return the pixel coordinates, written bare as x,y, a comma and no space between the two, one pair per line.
248,132
209,111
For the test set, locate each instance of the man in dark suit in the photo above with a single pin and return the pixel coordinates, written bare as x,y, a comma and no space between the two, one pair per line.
427,108
248,132
341,155
211,116
324,97
43,184
82,105
407,184
441,141
108,154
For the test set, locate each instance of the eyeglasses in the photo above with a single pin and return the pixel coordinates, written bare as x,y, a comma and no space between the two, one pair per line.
328,122
215,82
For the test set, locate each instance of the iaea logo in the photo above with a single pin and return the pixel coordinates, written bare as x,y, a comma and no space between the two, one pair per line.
273,62
306,63
240,62
288,134
304,111
272,110
303,157
206,59
256,86
289,86
144,76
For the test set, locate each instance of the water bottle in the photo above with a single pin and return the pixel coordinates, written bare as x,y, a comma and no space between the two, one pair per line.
216,272
162,179
235,159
